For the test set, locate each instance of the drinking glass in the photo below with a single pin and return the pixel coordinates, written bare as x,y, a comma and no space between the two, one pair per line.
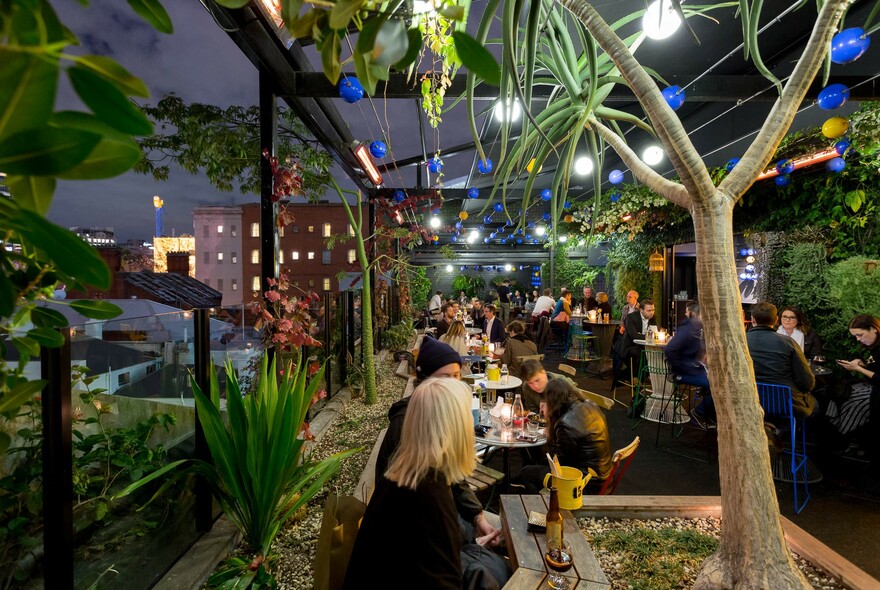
558,560
818,359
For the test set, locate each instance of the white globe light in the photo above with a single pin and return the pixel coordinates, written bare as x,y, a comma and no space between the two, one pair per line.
652,156
435,222
508,268
510,112
475,235
563,239
448,268
660,20
540,230
583,166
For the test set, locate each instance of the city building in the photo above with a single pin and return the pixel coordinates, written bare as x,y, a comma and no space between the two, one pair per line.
303,254
164,245
99,237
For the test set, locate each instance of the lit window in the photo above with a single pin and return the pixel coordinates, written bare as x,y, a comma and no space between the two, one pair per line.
255,256
281,232
233,230
235,258
255,230
325,257
350,230
326,231
219,257
235,284
219,230
311,255
294,254
255,284
326,283
311,229
352,256
206,257
219,284
281,257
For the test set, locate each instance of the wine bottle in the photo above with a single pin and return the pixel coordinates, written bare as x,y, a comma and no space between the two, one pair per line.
554,520
519,413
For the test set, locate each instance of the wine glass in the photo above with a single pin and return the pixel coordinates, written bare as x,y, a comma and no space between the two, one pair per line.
818,359
558,560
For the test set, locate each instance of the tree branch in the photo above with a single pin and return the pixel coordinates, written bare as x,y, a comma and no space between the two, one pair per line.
676,143
671,191
785,108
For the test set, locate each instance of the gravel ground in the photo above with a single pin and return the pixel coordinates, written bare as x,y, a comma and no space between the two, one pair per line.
360,424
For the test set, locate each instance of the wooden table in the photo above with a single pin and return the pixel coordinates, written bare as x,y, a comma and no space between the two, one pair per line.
526,549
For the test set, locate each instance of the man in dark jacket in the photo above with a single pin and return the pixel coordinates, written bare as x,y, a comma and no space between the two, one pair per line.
447,316
778,359
626,350
686,353
493,327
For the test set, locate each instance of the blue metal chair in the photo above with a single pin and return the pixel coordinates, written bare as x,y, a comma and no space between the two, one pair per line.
776,401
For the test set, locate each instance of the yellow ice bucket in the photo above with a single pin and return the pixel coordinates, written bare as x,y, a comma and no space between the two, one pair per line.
493,373
570,487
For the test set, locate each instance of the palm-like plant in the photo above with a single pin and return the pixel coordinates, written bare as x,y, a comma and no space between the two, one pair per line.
259,474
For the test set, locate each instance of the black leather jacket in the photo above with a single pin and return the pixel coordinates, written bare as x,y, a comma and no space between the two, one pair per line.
580,438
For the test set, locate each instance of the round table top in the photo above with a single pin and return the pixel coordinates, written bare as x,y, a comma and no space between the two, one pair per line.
473,331
509,440
655,343
819,370
608,323
512,382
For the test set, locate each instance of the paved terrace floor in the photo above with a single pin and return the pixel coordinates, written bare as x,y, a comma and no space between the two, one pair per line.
843,512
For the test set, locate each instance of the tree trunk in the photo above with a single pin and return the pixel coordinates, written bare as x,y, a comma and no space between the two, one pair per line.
752,553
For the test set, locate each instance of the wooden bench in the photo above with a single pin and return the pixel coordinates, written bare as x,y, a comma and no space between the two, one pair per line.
483,478
365,484
526,548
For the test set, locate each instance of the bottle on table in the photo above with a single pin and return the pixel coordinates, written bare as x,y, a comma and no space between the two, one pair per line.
505,373
519,414
554,520
557,555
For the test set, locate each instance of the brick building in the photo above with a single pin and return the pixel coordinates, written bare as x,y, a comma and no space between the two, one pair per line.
303,254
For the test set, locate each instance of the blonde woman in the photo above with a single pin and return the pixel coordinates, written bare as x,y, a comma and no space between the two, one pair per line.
411,523
456,337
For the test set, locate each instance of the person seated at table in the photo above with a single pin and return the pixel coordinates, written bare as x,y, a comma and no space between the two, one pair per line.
544,305
435,303
602,304
463,299
589,301
412,513
447,316
561,317
625,350
477,313
632,304
535,379
686,353
493,327
516,345
456,337
529,305
517,299
435,359
577,434
777,359
794,324
858,417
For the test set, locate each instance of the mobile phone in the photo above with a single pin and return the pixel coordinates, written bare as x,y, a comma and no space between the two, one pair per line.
527,438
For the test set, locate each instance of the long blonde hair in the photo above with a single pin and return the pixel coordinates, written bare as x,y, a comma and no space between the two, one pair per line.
456,328
437,435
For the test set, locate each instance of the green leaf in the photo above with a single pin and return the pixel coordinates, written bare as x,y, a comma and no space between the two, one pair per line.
233,3
111,70
363,73
330,50
109,158
22,393
290,9
46,151
412,53
71,255
391,44
26,346
46,317
477,58
367,36
32,192
302,26
27,91
46,337
153,12
109,103
342,11
854,200
452,12
96,309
